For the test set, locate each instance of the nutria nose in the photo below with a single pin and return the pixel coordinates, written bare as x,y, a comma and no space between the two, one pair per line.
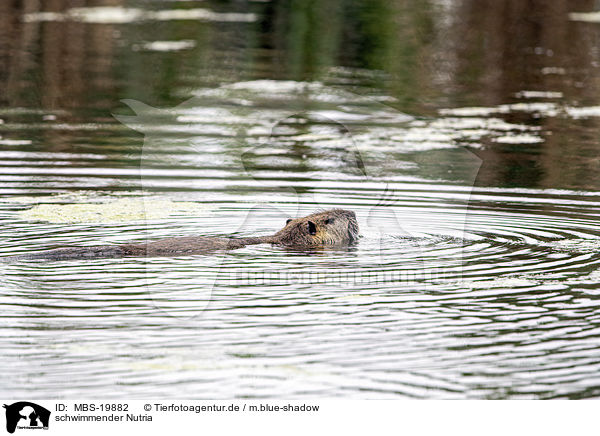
312,228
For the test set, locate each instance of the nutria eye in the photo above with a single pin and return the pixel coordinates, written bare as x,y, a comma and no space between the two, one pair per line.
329,221
288,221
312,228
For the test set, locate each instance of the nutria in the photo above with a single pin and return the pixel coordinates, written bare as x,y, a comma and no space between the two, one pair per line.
330,227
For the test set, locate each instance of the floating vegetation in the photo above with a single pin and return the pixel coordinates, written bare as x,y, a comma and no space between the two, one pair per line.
121,210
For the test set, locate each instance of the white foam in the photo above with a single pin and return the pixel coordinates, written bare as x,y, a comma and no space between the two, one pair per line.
276,86
577,245
539,94
426,135
518,139
547,109
166,45
43,16
202,14
553,70
480,124
15,141
121,15
542,108
472,111
583,112
353,105
588,17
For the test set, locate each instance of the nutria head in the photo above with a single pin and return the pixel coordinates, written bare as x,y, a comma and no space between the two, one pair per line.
330,227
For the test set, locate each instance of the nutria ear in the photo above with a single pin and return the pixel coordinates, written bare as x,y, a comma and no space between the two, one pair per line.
288,221
312,228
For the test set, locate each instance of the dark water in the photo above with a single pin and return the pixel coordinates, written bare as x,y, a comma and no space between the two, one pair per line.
464,134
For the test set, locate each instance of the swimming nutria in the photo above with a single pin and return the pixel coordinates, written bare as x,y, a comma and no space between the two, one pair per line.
330,227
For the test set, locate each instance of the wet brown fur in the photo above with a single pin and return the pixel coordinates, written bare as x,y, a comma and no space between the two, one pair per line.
329,227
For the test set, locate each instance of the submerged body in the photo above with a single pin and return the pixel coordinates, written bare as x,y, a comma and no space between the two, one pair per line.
327,228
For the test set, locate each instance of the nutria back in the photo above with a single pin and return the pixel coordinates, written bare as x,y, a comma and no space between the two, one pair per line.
330,227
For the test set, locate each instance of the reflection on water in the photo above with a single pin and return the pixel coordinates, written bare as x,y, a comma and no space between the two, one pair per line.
274,109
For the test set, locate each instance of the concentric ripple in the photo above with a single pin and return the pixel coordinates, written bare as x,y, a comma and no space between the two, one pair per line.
498,302
452,291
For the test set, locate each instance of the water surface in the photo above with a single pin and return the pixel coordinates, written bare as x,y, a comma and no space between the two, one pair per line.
462,135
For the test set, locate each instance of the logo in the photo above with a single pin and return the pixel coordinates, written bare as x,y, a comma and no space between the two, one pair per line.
26,415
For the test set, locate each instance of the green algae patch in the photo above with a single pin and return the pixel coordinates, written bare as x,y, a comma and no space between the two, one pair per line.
122,210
